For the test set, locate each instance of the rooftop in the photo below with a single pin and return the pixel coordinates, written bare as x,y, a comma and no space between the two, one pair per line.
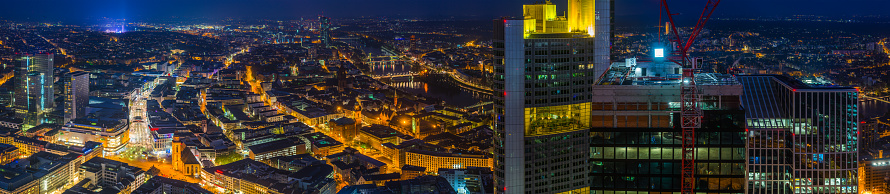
633,72
382,131
274,145
23,171
319,140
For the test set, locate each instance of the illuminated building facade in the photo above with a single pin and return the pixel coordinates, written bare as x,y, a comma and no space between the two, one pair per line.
470,180
635,137
431,157
543,73
801,139
34,88
110,175
43,172
77,95
184,159
284,147
873,176
252,177
8,153
114,135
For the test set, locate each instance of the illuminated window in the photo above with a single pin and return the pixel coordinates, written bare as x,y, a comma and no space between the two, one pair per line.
556,119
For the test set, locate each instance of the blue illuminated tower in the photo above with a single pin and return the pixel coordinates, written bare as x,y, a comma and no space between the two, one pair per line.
34,88
325,29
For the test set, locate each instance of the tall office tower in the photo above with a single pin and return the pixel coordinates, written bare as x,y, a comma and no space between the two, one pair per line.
34,88
542,82
325,28
636,131
77,94
801,138
413,44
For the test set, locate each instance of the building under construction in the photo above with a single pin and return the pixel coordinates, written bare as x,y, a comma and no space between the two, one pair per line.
636,132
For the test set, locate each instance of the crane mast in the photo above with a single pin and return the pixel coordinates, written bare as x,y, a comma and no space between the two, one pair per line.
691,113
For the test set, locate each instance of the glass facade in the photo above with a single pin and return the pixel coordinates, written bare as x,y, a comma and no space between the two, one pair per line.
647,160
34,88
803,139
636,136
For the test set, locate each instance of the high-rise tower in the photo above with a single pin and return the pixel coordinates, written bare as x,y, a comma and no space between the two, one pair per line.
542,82
325,28
34,88
77,94
801,138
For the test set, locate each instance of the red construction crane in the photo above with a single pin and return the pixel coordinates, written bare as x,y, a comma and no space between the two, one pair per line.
691,114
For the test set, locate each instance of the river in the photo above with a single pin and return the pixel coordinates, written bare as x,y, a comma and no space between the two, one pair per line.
430,86
872,108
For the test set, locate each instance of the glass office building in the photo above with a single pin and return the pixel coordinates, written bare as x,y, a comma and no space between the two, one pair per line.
34,92
544,66
801,138
635,137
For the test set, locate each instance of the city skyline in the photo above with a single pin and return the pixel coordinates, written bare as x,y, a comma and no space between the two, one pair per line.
448,97
77,11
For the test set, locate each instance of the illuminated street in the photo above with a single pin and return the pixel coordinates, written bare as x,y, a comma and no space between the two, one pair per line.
140,135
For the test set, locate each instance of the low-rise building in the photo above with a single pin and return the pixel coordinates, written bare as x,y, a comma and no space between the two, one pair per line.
285,147
423,184
42,172
8,153
322,145
102,175
294,163
252,177
410,172
344,128
305,110
377,135
111,131
161,185
470,180
874,175
433,157
378,179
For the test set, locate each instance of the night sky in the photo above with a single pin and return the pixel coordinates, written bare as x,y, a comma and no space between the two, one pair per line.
49,10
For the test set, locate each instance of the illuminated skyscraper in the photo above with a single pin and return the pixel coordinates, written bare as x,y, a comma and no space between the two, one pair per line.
801,139
77,94
325,28
34,88
542,80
